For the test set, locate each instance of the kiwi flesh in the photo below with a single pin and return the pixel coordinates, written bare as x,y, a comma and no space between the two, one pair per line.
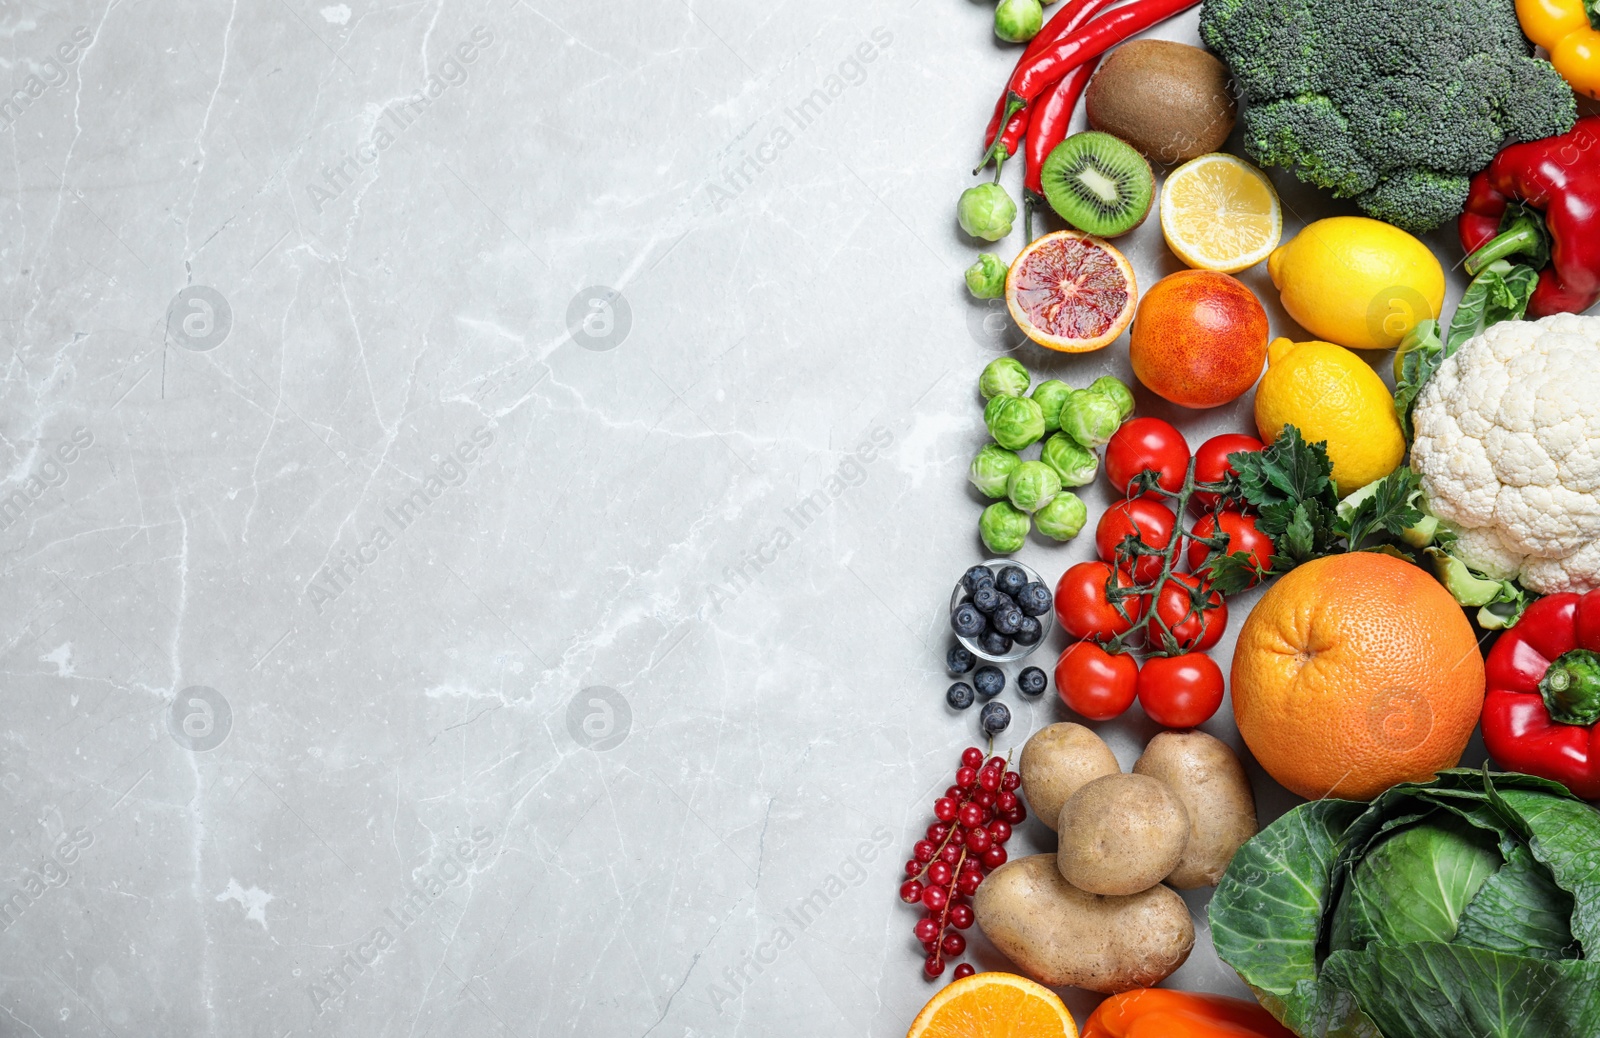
1098,183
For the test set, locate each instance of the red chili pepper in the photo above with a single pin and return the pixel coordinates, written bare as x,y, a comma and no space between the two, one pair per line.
1538,194
1543,703
1099,36
1048,124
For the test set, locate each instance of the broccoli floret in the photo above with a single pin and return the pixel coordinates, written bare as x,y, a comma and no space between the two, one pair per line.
1417,200
1394,102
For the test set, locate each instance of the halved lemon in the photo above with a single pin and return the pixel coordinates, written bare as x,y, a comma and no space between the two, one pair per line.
1071,291
1220,213
994,1005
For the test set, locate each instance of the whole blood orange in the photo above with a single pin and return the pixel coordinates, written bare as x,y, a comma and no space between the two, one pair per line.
1071,292
1199,338
1355,672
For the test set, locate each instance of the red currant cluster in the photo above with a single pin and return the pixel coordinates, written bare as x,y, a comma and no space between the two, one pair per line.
967,840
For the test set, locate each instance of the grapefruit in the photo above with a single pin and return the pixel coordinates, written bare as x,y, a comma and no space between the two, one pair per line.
1071,292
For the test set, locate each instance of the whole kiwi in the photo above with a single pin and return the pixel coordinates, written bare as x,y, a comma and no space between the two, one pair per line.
1169,100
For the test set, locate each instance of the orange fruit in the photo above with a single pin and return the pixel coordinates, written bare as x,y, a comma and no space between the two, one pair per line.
994,1005
1071,291
1200,338
1355,672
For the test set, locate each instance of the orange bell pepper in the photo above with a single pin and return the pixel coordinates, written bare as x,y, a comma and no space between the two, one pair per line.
1159,1013
1571,34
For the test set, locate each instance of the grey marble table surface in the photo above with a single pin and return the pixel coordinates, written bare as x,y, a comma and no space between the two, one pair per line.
480,485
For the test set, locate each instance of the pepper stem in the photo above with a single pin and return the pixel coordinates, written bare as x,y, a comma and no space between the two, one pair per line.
1571,688
1524,235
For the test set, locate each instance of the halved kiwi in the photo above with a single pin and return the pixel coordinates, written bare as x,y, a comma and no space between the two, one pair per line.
1098,183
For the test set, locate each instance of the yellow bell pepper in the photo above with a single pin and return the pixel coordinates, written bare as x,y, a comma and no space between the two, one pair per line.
1571,34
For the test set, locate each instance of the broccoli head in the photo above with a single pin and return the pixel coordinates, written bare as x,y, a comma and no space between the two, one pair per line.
1395,103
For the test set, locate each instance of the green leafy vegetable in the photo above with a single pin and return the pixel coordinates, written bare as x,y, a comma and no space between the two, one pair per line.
1500,293
1421,352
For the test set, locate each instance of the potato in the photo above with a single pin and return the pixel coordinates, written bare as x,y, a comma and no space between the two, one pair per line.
1209,779
1064,937
1121,834
1056,761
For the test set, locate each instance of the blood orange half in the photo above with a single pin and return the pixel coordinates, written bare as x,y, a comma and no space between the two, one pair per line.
1071,291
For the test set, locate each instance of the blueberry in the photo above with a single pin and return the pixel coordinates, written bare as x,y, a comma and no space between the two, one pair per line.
1034,599
1007,620
1031,682
988,681
975,576
967,621
958,660
994,643
960,695
1028,632
1011,580
987,599
995,718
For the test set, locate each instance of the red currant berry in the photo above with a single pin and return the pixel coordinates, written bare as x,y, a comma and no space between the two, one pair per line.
951,852
923,850
984,798
971,757
963,971
926,929
954,793
971,815
937,832
978,840
1017,814
945,808
989,779
967,882
1011,781
1006,800
911,892
935,898
993,858
961,916
965,777
953,944
939,873
913,867
997,763
999,831
934,966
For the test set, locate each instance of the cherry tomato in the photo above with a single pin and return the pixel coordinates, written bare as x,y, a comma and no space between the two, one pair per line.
1082,605
1211,464
1177,691
1197,631
1242,536
1147,443
1095,683
1151,520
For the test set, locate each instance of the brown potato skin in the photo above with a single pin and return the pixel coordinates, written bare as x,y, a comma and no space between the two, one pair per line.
1056,761
1065,937
1121,834
1208,778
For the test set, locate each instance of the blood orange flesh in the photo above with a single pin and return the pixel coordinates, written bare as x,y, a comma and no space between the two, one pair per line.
1072,292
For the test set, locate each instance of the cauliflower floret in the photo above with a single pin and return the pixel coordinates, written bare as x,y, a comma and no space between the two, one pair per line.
1508,450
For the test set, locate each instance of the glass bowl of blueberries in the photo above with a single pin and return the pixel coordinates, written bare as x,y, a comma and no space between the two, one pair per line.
1001,610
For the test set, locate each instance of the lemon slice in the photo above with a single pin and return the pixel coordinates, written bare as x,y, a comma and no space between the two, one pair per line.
1220,213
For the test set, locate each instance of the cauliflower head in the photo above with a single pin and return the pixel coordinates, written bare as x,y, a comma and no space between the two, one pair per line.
1508,450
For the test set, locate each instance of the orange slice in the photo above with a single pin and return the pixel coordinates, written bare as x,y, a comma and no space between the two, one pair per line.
1071,292
994,1005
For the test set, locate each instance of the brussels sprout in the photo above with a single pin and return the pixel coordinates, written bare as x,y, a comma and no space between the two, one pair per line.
1003,376
1062,518
1018,21
986,279
1003,528
1032,485
990,469
986,212
1051,393
1089,417
1017,422
1074,463
1116,389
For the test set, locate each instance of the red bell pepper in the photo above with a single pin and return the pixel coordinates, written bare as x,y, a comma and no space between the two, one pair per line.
1541,201
1543,703
1160,1013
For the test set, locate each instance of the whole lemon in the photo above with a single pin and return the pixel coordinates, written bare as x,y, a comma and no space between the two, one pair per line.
1357,282
1329,393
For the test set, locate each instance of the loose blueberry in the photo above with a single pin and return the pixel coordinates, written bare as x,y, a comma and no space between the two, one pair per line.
975,576
1034,599
1031,682
1010,579
960,695
1028,632
994,643
989,681
967,621
1007,620
995,718
987,599
958,660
